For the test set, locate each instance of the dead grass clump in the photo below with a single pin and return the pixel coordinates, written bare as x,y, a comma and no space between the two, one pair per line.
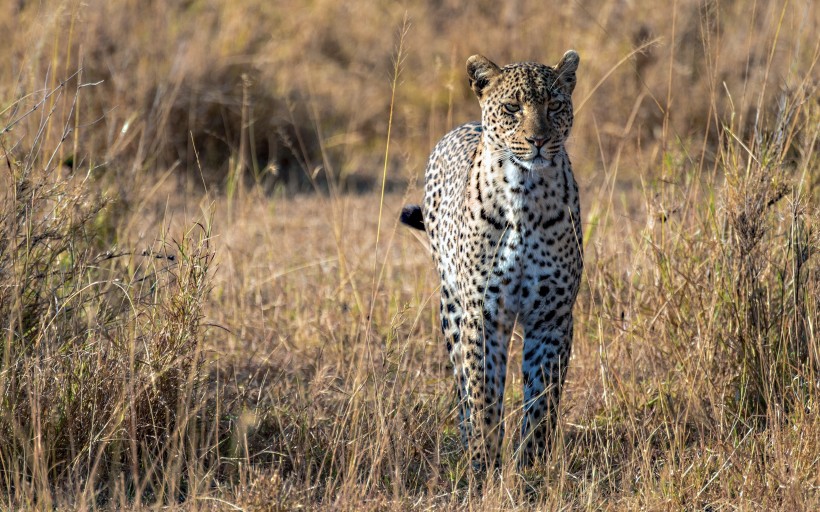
100,369
708,354
769,270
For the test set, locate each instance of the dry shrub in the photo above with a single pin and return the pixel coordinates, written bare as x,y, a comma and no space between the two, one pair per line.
704,328
100,370
771,268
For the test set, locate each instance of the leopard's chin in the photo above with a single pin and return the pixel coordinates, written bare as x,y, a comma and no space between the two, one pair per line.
540,160
542,157
537,161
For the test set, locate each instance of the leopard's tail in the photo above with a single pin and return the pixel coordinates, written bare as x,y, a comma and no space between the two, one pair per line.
411,216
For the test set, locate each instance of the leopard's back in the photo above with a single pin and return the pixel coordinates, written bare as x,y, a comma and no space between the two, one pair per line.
444,183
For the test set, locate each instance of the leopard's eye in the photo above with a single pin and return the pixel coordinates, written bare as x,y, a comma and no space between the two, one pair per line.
554,105
512,108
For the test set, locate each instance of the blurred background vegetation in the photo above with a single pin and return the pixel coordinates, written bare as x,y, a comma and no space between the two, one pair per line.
283,87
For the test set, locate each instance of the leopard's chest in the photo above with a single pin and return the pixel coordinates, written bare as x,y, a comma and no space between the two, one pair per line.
525,242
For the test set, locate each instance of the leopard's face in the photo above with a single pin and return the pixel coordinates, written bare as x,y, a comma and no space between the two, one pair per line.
526,107
527,111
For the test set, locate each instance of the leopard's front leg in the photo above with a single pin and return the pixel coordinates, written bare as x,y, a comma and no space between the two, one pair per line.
547,349
485,336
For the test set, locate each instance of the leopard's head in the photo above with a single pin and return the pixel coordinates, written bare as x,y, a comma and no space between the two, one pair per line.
526,108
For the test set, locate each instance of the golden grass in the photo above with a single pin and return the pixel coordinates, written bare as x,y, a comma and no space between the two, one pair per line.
185,327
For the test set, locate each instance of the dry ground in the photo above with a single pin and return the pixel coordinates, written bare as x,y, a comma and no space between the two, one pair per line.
207,301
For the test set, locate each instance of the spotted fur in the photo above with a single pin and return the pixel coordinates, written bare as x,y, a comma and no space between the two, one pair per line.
502,213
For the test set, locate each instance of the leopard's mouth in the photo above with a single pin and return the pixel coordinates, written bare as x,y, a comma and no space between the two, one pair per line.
535,157
541,156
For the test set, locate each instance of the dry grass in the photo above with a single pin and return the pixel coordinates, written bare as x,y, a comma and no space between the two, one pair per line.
183,326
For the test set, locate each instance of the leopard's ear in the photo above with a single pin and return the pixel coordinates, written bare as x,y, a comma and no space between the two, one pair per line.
566,70
481,71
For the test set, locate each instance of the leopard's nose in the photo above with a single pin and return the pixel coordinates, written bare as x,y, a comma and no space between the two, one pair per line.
538,142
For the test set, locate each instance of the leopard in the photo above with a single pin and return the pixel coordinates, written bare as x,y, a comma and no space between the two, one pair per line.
501,210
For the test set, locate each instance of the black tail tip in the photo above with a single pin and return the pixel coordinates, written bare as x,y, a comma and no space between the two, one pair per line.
411,216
